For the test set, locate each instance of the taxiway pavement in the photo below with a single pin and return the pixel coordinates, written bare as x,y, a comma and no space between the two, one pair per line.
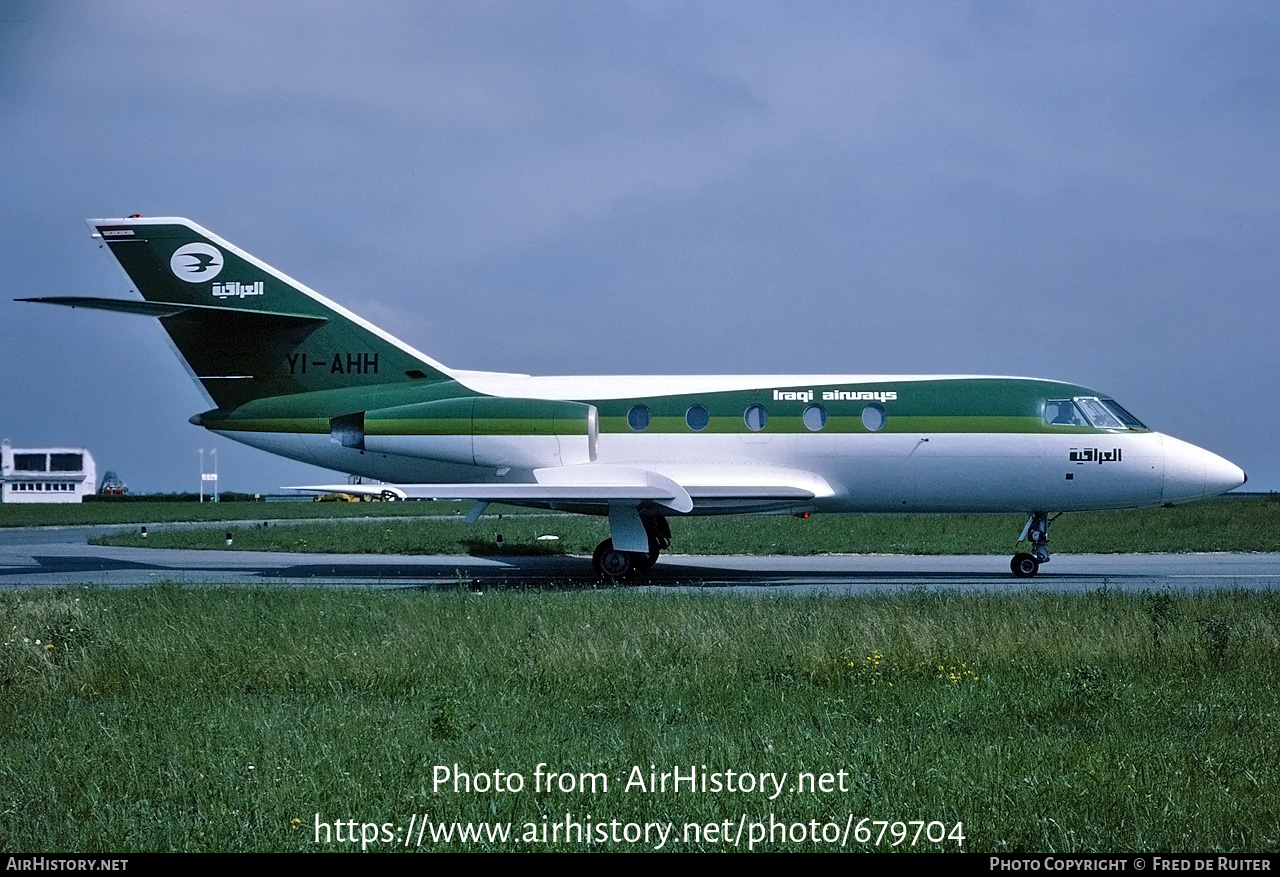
47,557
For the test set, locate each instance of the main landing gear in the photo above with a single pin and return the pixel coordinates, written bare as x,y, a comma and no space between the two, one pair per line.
1025,565
612,564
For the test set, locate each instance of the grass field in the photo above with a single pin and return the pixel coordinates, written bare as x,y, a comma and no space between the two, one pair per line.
225,719
76,514
171,718
1244,523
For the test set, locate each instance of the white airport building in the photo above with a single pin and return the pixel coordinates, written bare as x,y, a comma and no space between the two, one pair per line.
45,474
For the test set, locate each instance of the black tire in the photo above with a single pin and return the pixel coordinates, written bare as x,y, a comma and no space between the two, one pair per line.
645,562
611,564
1024,565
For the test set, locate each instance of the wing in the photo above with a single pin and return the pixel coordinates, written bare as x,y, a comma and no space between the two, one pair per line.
607,485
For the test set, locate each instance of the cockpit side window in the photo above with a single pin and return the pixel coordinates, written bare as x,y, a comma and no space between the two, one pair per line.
1125,417
1099,415
1063,412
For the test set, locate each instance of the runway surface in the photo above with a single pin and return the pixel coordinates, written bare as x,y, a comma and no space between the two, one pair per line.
45,557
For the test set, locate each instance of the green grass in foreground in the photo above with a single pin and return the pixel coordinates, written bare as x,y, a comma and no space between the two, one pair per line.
76,514
1247,523
205,719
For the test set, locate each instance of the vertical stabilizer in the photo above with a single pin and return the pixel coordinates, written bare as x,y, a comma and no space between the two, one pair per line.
245,330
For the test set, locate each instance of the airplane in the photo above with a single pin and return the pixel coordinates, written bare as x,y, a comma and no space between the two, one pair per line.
291,372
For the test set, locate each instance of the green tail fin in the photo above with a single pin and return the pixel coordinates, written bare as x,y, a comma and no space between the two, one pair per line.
245,330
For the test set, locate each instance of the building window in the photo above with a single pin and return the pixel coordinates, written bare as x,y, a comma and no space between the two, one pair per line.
30,462
66,462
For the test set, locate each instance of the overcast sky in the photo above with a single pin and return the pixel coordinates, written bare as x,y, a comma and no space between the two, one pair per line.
1080,191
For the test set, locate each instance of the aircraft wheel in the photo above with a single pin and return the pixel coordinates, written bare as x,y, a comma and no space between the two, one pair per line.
1024,565
610,563
645,562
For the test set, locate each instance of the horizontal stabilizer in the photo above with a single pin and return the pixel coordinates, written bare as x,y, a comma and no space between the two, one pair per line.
166,309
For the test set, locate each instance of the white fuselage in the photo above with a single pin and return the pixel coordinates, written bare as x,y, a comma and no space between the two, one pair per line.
924,472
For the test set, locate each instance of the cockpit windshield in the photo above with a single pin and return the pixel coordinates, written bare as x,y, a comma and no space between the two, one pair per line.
1099,415
1089,411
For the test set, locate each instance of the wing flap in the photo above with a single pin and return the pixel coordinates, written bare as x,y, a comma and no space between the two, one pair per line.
498,492
750,491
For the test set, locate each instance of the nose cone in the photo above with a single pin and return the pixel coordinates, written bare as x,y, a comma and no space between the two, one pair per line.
1194,473
1221,475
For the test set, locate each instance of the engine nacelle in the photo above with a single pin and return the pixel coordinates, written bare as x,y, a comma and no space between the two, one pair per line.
478,431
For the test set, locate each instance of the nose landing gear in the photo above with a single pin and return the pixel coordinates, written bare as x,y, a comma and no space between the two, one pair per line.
1024,565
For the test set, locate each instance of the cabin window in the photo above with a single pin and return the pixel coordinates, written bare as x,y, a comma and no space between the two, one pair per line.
873,417
638,417
697,417
1063,412
815,417
756,417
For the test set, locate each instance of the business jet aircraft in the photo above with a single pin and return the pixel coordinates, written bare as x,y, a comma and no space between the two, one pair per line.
290,372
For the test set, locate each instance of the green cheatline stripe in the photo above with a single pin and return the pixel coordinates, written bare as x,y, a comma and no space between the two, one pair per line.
433,426
779,425
477,426
782,425
909,423
982,405
419,426
301,425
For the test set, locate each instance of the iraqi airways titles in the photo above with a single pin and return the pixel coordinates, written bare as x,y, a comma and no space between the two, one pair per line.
836,395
